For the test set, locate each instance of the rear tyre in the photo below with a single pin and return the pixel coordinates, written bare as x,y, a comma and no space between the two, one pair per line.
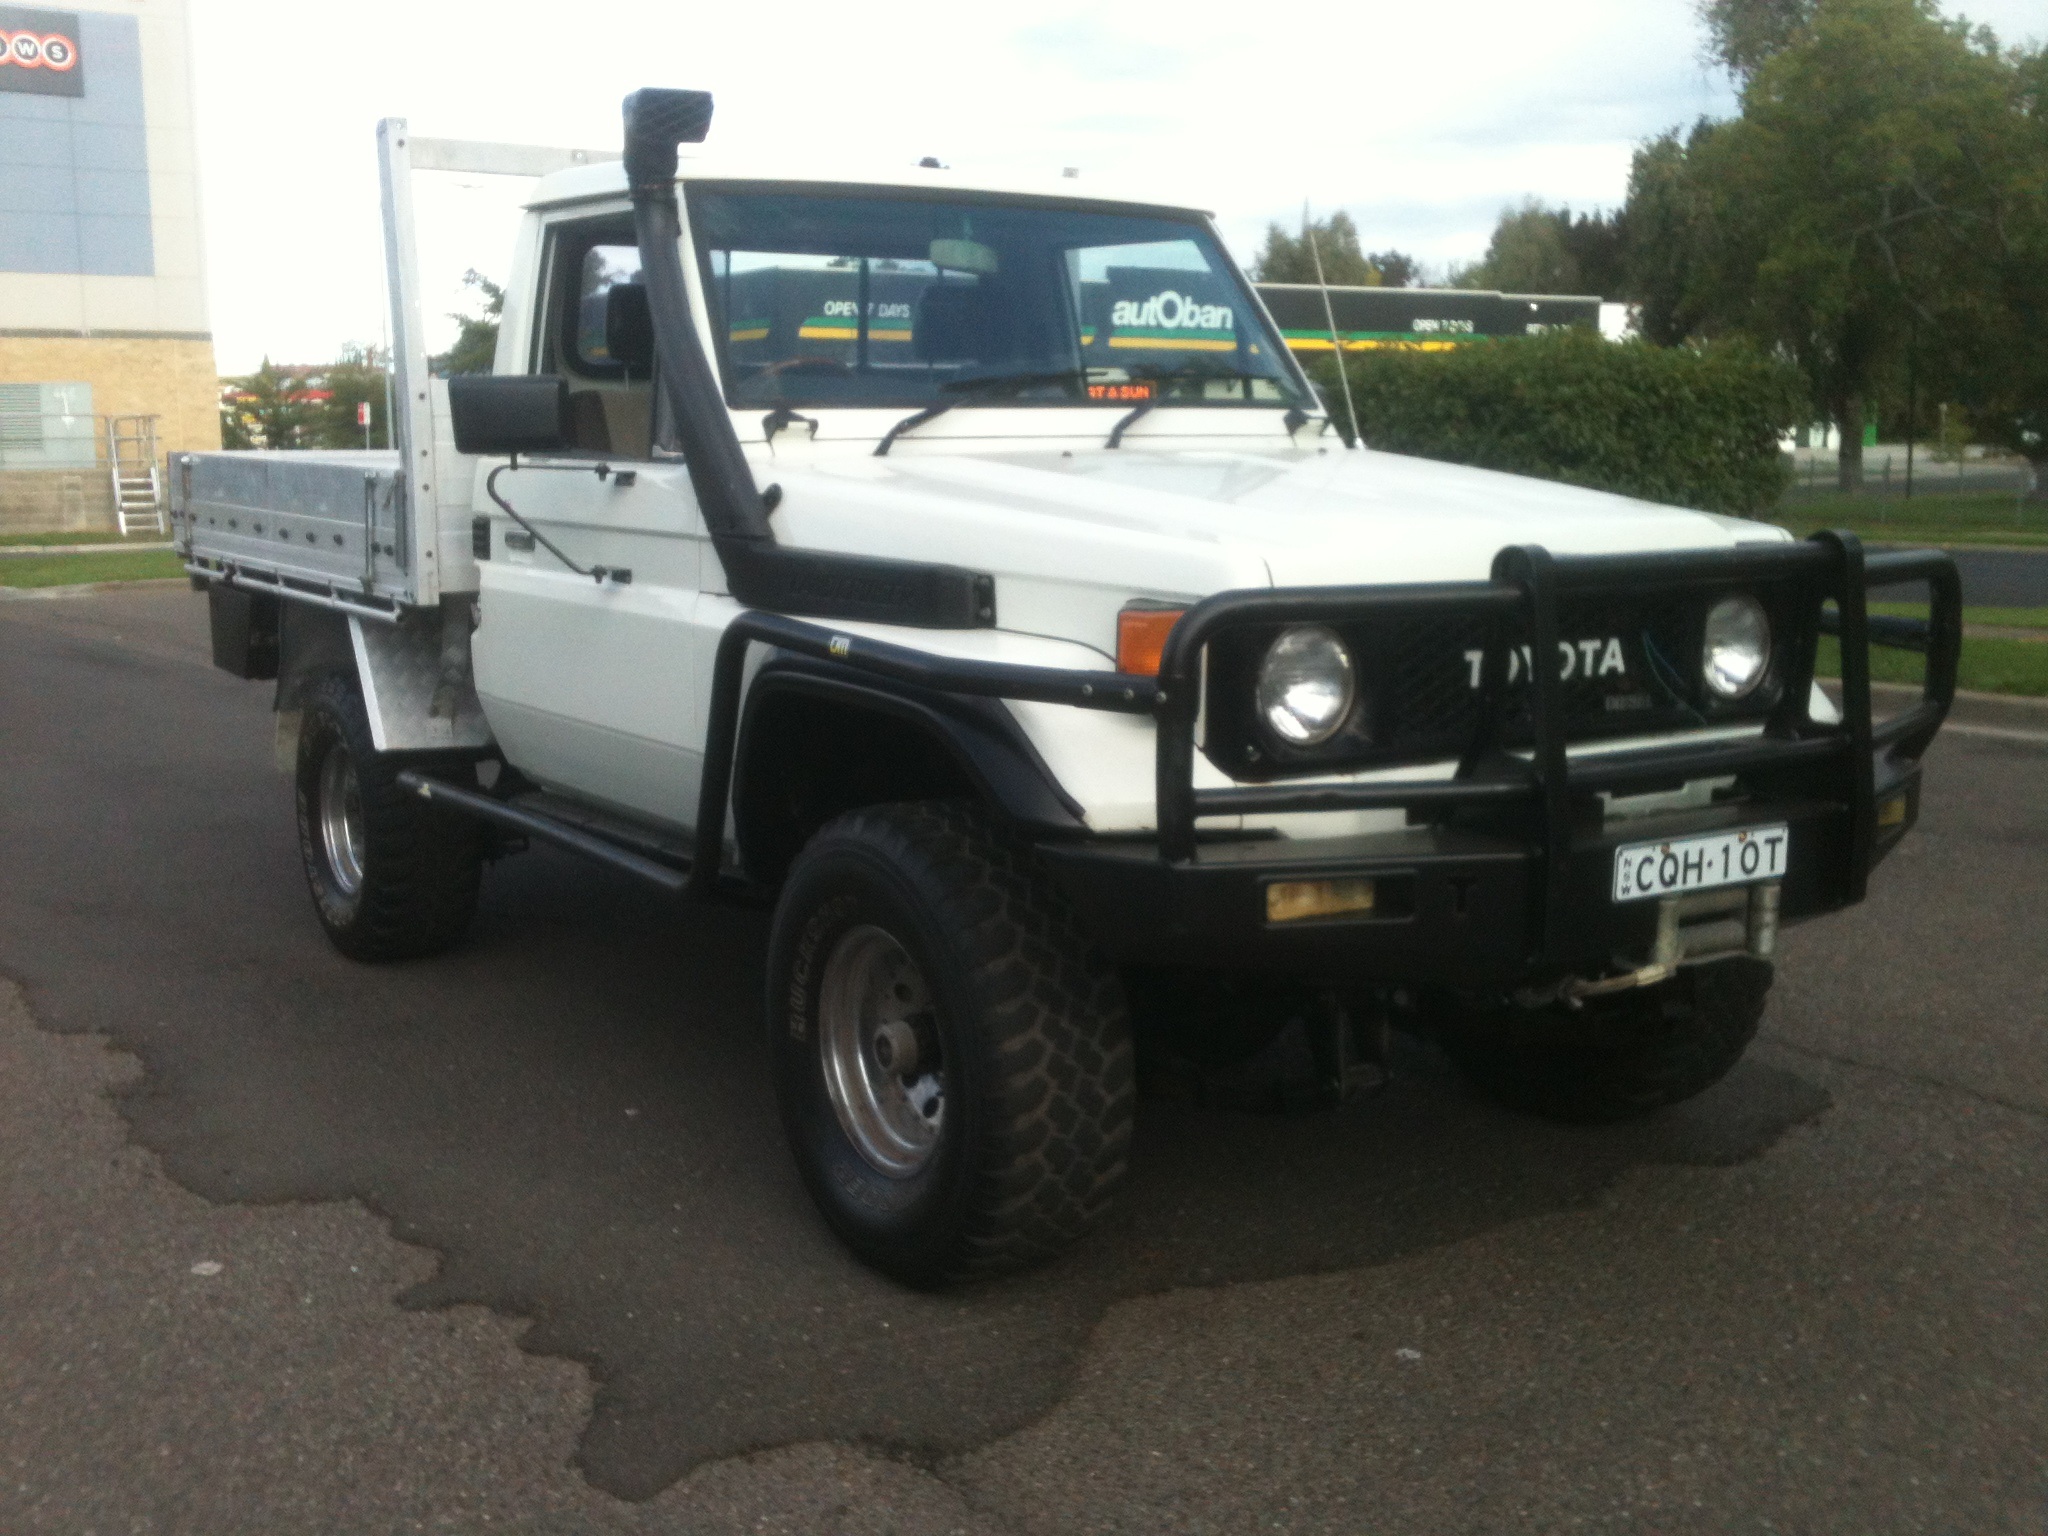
1617,1057
391,876
952,1059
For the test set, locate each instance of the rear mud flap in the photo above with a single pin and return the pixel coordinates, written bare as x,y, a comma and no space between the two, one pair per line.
400,666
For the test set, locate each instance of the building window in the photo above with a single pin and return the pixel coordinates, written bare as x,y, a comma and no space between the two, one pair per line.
47,426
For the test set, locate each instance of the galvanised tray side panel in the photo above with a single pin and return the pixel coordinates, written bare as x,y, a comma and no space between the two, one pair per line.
335,518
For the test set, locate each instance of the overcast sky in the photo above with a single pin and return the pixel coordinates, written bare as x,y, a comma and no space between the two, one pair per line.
1421,120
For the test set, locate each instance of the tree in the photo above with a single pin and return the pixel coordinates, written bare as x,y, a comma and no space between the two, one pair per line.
1596,242
1527,253
306,405
354,379
1741,34
1852,201
2003,367
236,431
1288,259
476,342
265,409
1539,249
1397,269
1666,227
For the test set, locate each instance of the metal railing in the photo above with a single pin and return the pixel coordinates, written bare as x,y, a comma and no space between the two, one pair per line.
1888,478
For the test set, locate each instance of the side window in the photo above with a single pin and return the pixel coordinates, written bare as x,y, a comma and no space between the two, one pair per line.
598,333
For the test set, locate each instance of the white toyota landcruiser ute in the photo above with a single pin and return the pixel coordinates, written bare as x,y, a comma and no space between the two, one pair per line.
972,573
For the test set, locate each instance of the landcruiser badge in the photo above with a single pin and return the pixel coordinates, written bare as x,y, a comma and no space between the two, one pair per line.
1576,658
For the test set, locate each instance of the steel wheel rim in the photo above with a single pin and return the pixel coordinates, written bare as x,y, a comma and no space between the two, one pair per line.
341,819
872,1003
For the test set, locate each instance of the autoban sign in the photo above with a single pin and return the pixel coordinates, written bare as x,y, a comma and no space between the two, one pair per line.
39,53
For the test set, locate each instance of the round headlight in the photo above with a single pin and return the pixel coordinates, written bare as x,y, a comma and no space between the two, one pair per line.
1737,652
1306,686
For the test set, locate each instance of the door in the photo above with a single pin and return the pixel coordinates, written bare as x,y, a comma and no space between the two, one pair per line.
588,684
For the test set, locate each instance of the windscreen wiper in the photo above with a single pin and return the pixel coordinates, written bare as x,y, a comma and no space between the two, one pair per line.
1180,375
911,424
986,384
1125,422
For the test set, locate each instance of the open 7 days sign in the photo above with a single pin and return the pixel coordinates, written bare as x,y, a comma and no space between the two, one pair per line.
39,53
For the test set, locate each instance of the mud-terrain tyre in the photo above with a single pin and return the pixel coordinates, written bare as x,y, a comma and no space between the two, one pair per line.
951,1057
1616,1058
391,877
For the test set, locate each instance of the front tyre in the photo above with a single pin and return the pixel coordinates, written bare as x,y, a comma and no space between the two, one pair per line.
1615,1058
391,876
952,1059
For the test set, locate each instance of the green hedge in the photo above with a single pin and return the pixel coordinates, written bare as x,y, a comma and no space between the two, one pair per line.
1692,426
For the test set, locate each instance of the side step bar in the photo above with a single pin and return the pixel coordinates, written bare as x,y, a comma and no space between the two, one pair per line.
546,828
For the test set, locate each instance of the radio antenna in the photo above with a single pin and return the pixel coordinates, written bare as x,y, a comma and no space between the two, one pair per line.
1308,228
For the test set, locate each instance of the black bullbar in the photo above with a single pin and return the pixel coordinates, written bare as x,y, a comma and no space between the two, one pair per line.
1513,836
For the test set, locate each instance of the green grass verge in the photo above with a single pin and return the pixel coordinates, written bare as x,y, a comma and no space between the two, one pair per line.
1987,666
76,536
1967,517
73,570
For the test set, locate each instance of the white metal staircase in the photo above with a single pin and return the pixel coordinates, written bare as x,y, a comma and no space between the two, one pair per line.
138,487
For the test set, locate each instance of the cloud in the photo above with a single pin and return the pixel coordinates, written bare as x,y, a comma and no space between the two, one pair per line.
1088,48
1114,124
1422,120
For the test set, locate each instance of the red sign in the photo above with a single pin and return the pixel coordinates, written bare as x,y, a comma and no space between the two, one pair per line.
39,52
52,51
363,413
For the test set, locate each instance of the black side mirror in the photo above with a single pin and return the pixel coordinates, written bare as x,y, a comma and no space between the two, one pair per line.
509,413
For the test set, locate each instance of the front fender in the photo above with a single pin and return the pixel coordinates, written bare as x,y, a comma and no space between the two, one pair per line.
816,739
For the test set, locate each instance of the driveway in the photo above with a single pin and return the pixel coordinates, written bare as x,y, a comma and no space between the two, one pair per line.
508,1238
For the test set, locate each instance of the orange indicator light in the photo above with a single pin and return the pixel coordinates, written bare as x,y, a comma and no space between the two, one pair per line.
1141,637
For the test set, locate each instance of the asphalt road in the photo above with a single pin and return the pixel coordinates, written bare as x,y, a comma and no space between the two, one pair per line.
508,1239
2003,578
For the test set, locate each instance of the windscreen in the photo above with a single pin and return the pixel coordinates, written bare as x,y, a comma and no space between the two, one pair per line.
821,299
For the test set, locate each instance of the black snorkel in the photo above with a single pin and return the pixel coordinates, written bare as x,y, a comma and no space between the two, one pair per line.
758,571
